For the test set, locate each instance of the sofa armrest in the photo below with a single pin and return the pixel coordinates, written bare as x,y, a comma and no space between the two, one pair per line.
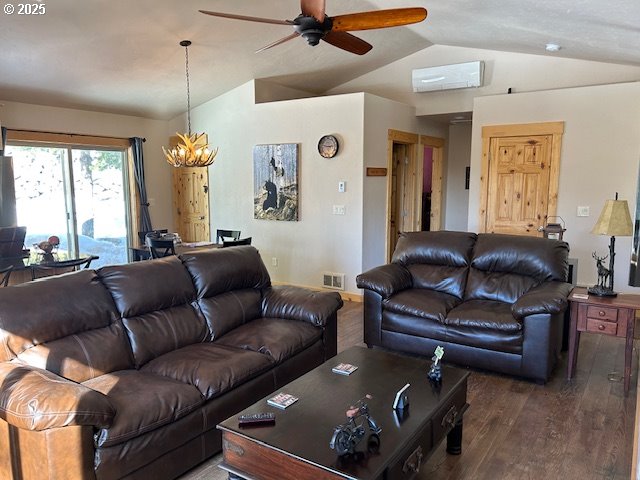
35,399
297,303
385,280
549,297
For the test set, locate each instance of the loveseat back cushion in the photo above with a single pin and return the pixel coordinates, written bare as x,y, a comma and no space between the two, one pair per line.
436,260
67,324
228,284
504,267
156,300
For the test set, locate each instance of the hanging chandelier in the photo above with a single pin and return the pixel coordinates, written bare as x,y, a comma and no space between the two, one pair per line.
193,150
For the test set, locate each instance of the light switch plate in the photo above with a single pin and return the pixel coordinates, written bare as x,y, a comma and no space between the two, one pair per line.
342,186
583,211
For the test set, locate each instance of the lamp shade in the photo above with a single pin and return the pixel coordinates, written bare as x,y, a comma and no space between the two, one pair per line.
614,220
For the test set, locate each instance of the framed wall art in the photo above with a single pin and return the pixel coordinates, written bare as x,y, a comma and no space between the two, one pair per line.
275,180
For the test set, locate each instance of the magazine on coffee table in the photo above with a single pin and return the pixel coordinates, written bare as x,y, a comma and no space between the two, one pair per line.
344,369
282,400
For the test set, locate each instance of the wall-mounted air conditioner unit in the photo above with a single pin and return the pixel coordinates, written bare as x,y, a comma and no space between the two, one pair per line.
447,77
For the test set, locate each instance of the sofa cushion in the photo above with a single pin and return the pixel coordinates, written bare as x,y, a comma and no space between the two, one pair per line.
143,402
421,302
276,337
84,355
158,332
235,269
436,260
213,369
497,286
485,324
157,302
412,325
226,311
67,324
141,287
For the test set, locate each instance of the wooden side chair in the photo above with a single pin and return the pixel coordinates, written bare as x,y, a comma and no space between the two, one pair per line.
143,235
44,270
236,243
221,235
160,248
5,273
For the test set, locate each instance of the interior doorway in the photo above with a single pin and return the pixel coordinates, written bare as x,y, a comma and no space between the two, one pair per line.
414,185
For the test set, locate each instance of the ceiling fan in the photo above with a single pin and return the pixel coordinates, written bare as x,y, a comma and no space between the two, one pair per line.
313,24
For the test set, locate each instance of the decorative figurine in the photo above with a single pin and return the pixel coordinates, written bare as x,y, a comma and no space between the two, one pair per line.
602,289
348,435
435,372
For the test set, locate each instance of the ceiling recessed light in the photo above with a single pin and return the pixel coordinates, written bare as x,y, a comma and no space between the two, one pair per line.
552,47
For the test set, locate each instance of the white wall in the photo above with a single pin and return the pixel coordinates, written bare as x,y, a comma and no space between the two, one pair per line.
503,70
23,116
319,241
457,204
380,115
600,156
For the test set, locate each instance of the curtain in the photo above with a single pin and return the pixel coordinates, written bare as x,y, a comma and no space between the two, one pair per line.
8,217
138,168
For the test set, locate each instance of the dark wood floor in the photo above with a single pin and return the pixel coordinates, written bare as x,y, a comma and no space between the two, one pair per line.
516,429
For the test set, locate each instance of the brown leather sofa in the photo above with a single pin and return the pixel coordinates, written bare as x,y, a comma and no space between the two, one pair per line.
125,372
492,301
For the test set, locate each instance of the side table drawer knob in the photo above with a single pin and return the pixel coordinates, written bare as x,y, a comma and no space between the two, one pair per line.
412,464
601,313
600,327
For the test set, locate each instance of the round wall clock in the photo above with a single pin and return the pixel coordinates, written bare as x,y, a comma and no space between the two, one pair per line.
328,146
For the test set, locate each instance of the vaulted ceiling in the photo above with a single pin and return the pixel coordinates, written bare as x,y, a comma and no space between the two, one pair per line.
123,56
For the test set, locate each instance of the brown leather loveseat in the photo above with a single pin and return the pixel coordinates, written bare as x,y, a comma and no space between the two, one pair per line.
493,301
125,372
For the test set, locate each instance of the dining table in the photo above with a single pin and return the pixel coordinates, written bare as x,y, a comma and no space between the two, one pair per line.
23,265
141,252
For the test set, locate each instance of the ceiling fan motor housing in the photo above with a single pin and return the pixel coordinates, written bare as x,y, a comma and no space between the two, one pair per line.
311,29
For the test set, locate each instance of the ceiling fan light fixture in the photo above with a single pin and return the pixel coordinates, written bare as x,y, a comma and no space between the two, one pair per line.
193,150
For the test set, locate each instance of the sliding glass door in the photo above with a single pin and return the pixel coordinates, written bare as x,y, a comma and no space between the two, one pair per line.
79,195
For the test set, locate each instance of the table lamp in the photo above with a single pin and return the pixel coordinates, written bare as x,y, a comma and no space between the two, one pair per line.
614,220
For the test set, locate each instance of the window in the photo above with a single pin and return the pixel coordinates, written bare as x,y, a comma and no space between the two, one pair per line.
77,191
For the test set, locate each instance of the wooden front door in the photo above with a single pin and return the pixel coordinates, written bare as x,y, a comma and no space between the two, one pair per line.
522,165
191,203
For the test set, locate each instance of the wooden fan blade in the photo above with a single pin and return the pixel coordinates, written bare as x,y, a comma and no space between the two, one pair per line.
278,42
313,8
347,42
243,17
378,19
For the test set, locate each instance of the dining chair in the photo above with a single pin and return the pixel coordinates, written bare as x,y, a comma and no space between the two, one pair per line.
236,243
46,270
230,234
143,235
160,248
5,273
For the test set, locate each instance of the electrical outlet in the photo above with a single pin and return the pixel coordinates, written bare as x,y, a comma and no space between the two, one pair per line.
338,209
583,211
274,261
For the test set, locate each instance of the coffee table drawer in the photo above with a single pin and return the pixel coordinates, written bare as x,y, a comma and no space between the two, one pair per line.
412,457
448,414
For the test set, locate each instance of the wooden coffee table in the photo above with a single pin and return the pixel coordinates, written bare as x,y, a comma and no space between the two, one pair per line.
297,446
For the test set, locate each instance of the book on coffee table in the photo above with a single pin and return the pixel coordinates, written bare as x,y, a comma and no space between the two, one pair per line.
282,400
344,369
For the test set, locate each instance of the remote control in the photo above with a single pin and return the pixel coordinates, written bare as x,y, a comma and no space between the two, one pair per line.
257,419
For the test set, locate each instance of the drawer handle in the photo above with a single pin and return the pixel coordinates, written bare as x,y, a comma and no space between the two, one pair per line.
601,313
450,417
600,327
412,464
